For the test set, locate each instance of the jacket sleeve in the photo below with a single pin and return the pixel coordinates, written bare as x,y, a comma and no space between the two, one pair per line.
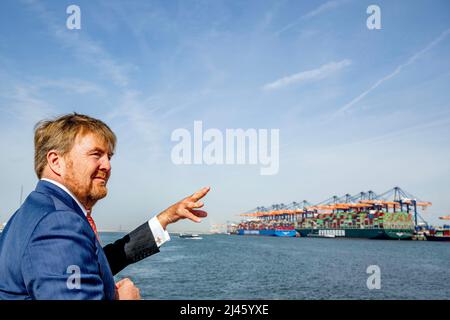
60,261
135,246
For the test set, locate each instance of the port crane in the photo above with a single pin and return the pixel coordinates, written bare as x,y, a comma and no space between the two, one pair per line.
395,199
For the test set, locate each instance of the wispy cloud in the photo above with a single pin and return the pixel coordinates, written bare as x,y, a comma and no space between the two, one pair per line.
137,119
397,70
327,6
430,125
71,85
24,104
311,75
83,47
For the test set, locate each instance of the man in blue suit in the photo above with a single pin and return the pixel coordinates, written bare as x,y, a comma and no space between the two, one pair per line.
49,248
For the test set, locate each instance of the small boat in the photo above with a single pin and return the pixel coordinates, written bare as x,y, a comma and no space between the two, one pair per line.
438,235
190,236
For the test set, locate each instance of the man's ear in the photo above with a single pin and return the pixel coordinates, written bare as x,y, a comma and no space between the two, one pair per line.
55,162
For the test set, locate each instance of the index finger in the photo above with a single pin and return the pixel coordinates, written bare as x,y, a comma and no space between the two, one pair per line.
200,194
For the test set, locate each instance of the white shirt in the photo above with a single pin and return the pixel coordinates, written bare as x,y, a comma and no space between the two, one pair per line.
159,234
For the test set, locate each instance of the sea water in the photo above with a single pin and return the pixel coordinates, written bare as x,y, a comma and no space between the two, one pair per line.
257,267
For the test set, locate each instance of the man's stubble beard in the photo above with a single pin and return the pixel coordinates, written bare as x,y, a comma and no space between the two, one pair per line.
87,195
97,192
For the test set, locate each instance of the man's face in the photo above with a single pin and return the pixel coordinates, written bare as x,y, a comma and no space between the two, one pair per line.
87,168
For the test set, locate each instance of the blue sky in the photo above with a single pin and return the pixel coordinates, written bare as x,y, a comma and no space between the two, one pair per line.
357,109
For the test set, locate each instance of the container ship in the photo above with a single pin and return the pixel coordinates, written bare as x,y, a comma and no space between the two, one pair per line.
390,215
266,228
358,224
440,233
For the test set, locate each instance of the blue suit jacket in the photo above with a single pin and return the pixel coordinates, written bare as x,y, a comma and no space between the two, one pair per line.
42,246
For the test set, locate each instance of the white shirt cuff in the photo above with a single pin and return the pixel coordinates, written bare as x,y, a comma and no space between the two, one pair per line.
161,236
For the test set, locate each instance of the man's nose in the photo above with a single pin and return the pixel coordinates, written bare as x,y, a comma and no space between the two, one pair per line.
105,163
